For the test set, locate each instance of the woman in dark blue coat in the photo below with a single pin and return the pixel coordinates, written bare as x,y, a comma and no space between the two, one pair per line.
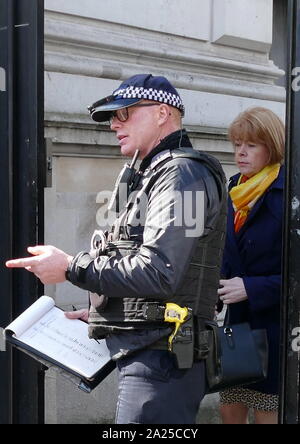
252,257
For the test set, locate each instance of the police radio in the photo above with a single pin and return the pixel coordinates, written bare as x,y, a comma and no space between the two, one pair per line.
123,184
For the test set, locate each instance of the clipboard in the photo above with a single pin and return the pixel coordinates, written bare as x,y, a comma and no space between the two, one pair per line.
46,335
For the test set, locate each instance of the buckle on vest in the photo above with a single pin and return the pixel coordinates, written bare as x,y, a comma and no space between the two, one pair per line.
99,241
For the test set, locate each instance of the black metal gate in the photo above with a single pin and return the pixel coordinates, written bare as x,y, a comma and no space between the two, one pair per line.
290,322
21,185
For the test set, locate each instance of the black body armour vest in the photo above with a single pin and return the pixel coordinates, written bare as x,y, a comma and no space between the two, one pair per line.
198,289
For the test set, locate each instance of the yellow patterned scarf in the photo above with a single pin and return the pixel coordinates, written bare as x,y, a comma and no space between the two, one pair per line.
245,195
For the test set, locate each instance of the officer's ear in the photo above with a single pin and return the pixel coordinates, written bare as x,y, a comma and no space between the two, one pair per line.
164,113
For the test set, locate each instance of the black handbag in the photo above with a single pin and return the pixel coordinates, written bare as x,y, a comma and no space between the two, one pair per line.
236,356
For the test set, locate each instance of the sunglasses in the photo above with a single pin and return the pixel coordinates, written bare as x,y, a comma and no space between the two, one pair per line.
122,114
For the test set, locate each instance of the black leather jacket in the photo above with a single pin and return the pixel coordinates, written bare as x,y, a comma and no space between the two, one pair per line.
161,261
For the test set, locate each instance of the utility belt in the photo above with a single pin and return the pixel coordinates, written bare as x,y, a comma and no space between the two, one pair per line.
189,340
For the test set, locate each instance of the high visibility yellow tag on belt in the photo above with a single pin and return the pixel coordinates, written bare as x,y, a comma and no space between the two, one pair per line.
177,314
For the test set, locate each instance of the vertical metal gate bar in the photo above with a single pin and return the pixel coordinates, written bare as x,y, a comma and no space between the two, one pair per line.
289,412
21,173
6,138
28,112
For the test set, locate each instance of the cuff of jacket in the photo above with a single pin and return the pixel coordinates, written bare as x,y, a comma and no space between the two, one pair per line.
77,269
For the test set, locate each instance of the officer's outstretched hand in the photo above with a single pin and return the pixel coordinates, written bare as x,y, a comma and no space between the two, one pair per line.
49,263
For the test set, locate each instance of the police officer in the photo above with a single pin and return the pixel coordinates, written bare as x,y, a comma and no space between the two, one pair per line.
153,277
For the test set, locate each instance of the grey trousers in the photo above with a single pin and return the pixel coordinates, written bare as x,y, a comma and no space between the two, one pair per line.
153,391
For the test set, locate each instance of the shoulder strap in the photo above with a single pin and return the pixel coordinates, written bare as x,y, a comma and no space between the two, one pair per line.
209,161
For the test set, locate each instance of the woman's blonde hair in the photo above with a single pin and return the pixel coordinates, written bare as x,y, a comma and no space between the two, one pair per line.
260,125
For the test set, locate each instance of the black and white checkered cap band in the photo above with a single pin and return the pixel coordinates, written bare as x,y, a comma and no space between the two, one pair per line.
151,94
